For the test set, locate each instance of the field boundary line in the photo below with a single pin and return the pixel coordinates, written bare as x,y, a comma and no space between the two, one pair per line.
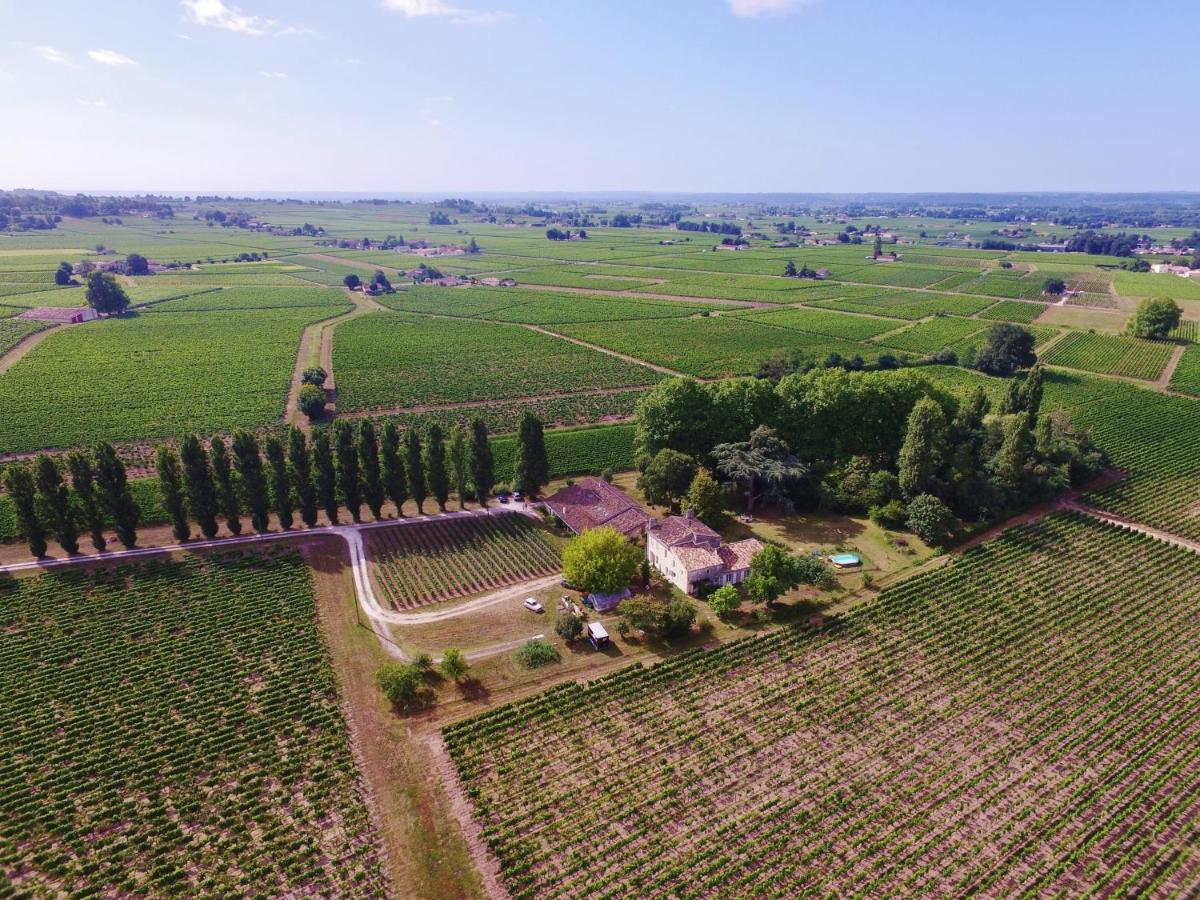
22,347
625,356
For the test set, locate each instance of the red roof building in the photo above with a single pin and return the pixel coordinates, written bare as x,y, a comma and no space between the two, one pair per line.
594,503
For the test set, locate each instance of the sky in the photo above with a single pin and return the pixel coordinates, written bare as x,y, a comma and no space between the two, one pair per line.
456,96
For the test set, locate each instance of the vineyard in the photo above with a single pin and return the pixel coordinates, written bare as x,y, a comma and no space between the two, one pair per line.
1186,378
1013,311
534,307
1021,721
819,321
173,729
396,360
13,331
911,305
1109,354
415,565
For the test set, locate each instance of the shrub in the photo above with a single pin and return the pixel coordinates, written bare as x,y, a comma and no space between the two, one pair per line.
402,685
314,375
930,519
569,627
311,401
536,652
454,664
893,514
725,600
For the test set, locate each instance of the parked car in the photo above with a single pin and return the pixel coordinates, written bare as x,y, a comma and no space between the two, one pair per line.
503,498
518,496
533,605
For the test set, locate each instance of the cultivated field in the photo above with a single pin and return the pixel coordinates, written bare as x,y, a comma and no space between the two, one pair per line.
1020,721
173,728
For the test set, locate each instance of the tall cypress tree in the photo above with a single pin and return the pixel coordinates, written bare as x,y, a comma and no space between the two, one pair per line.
394,482
19,484
435,465
249,465
372,480
1031,393
201,491
115,497
56,501
459,464
924,448
170,485
414,467
300,464
483,463
348,475
281,482
83,479
226,484
533,468
322,454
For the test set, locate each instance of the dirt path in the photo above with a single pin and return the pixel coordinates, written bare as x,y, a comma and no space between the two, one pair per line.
316,348
629,359
1164,380
1167,537
23,346
512,592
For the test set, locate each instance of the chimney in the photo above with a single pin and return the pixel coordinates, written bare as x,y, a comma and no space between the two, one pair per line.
690,515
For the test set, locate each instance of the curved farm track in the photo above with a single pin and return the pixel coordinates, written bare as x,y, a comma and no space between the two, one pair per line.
23,346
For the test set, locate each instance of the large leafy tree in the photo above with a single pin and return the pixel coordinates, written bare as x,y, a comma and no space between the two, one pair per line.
227,488
248,462
533,467
676,413
1155,318
326,469
435,465
667,477
483,462
83,480
113,485
300,468
1008,348
930,519
56,501
281,482
600,561
105,295
414,468
706,498
372,476
395,483
764,465
772,574
349,480
170,486
19,483
924,448
201,490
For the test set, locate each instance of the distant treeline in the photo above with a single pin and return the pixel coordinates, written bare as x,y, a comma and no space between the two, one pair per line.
713,227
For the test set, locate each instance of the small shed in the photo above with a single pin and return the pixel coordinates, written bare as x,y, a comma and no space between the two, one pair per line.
607,602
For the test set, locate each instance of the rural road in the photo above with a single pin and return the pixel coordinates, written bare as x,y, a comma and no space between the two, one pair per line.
379,617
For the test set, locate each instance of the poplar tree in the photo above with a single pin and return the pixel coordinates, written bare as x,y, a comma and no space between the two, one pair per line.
368,453
19,484
923,449
348,475
394,481
415,468
281,482
170,485
533,469
483,463
226,484
435,466
83,479
459,465
201,491
115,497
300,466
326,471
56,501
249,466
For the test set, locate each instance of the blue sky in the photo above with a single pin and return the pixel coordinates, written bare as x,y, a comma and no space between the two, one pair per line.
670,95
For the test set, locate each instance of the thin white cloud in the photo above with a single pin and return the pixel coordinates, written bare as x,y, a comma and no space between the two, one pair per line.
110,58
215,14
757,9
354,61
440,9
91,104
52,54
273,75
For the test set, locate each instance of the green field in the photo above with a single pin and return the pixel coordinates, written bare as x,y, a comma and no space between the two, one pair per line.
395,360
998,726
1108,354
1186,378
533,307
174,728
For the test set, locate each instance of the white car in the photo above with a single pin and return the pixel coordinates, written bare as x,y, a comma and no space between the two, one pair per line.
533,605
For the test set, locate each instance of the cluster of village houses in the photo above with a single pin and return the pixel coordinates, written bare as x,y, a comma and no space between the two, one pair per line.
687,552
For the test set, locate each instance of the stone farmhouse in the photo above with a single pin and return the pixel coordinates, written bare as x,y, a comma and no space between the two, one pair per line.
689,553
